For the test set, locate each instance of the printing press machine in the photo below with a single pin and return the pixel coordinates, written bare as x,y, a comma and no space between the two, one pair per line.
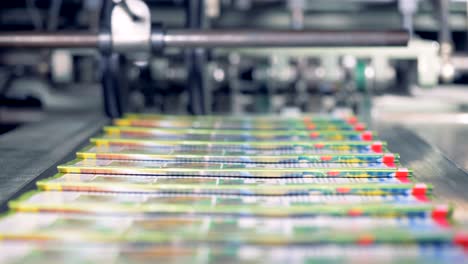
68,68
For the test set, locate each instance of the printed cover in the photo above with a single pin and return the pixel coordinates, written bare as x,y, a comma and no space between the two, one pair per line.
239,186
248,170
282,206
46,253
208,229
224,156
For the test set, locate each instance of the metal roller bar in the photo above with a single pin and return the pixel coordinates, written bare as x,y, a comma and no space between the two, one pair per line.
287,38
48,40
214,38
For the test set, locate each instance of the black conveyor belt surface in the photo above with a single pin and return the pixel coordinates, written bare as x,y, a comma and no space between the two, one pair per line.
29,151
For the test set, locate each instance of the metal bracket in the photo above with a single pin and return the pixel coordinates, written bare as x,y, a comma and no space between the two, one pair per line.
131,28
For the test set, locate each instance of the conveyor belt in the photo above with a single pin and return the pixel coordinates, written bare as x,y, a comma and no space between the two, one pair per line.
34,150
206,201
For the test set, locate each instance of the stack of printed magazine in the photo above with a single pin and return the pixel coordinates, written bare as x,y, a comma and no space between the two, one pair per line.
228,189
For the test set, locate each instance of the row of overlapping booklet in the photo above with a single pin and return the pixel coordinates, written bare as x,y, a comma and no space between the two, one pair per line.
224,189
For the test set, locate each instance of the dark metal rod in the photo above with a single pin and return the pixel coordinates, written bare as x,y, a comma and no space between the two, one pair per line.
274,38
216,38
195,59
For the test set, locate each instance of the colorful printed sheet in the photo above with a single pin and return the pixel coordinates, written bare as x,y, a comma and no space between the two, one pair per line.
216,189
236,135
92,253
283,206
238,186
220,156
213,229
248,170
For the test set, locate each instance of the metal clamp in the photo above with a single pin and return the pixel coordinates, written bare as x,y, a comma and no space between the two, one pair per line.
131,27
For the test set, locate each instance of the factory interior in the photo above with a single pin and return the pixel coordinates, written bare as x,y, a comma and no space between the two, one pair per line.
233,131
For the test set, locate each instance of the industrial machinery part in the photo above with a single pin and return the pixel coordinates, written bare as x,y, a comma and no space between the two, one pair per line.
182,38
423,52
122,16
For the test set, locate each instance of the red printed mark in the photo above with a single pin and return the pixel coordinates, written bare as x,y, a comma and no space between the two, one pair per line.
352,120
355,212
402,174
442,222
366,240
440,212
359,127
326,158
461,239
319,145
333,173
419,191
422,198
314,134
377,147
367,136
389,159
343,190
